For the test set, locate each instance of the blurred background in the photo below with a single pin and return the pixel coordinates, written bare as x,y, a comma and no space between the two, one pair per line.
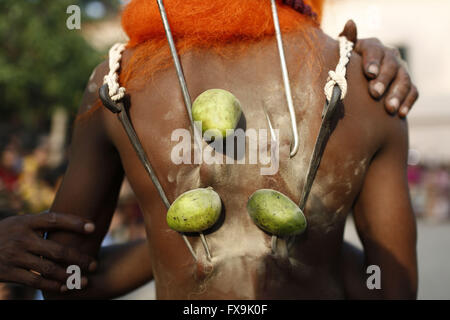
44,68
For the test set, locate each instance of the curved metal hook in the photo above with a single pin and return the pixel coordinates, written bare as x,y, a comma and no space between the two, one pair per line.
179,69
287,86
118,109
325,130
106,99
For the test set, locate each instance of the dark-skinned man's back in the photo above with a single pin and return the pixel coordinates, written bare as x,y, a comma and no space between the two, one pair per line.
362,170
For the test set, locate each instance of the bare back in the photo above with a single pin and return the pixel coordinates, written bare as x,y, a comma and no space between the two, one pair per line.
243,266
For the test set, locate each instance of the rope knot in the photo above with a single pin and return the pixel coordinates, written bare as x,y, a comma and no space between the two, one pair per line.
116,92
337,77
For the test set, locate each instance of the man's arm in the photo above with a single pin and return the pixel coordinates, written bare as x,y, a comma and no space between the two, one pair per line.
122,268
385,222
92,182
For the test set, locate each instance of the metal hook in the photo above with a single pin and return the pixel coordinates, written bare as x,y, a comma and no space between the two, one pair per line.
178,67
325,130
184,89
118,108
176,59
287,86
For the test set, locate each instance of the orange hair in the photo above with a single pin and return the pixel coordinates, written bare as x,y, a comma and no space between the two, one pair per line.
195,23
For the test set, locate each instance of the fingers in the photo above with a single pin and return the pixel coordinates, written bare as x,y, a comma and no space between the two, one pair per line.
59,221
410,99
350,31
47,269
372,52
398,91
388,72
65,255
388,76
33,280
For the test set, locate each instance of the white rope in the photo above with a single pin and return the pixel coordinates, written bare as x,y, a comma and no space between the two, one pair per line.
116,92
337,77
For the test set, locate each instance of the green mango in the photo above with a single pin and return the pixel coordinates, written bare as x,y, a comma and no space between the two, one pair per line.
218,110
194,211
274,212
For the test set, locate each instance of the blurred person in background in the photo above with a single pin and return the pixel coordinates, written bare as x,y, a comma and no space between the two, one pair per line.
35,192
436,185
417,190
10,201
430,192
9,170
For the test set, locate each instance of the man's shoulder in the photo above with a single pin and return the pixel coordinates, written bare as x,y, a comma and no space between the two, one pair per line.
92,116
360,108
90,98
